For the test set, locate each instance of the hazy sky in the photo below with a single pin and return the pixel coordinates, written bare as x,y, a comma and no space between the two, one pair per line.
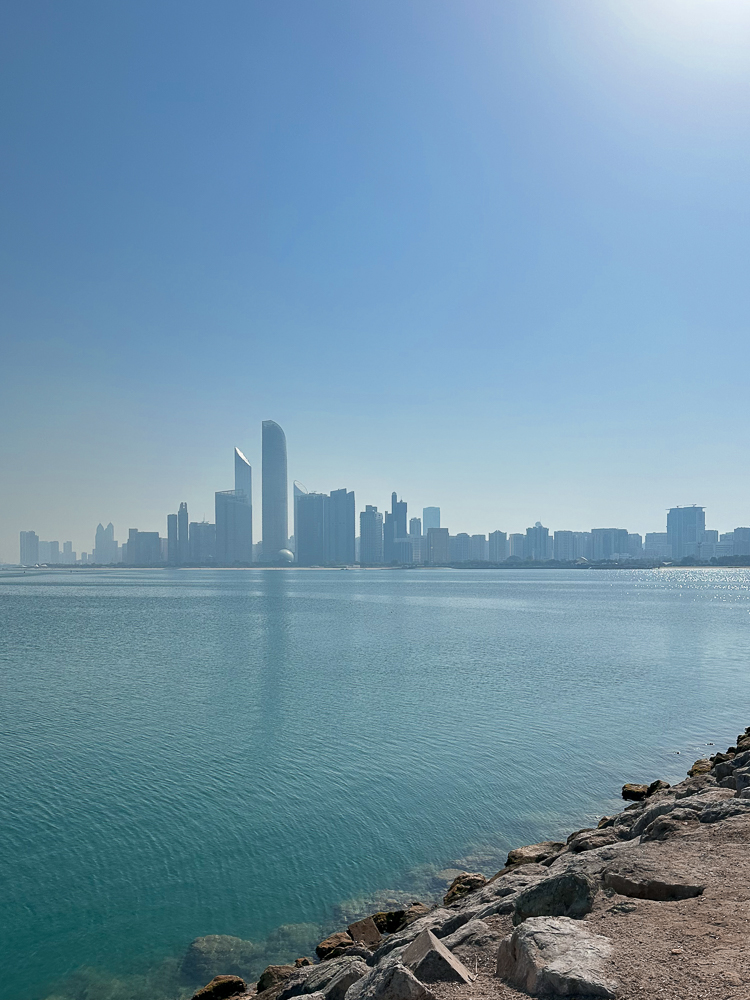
493,255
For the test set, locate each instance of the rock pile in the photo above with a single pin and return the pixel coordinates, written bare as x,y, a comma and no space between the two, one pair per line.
544,895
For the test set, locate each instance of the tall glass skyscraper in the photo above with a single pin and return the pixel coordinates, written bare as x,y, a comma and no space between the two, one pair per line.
275,508
243,485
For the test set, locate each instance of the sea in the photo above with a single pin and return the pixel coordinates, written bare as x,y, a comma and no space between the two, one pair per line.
197,752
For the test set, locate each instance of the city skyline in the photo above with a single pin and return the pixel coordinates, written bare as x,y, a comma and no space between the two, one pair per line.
325,532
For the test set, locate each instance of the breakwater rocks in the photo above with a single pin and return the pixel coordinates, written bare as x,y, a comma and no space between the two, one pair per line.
652,902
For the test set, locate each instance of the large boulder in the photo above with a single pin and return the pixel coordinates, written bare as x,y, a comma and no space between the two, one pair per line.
702,766
331,979
338,940
569,894
274,975
389,921
220,955
534,853
432,962
391,981
221,987
365,932
590,840
634,792
462,885
642,879
556,956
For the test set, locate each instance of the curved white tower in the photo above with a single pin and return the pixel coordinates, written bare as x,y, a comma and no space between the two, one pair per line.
275,505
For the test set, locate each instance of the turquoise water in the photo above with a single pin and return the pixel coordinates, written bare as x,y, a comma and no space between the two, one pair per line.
198,752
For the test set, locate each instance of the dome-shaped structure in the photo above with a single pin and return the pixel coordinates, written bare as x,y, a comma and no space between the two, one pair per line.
285,556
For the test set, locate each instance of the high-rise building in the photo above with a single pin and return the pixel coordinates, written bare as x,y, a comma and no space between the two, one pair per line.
243,484
310,538
29,548
415,526
45,555
564,546
202,543
478,548
609,544
370,537
298,491
741,542
685,527
68,555
516,545
498,547
394,530
275,512
430,518
341,520
458,547
233,529
143,548
105,546
183,535
172,550
54,553
635,546
438,547
537,543
657,545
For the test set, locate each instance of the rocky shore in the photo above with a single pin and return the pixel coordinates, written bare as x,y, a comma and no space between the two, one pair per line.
653,902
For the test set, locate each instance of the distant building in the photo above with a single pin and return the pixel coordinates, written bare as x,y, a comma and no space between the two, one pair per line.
298,490
172,549
275,510
635,546
478,548
657,545
243,485
340,528
233,529
430,518
394,529
458,547
44,551
415,526
536,546
310,538
741,542
105,546
609,544
54,553
183,535
68,556
685,528
143,548
29,548
516,545
371,537
498,547
202,543
438,547
564,546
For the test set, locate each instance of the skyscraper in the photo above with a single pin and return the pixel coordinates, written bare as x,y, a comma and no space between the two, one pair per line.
438,547
243,484
608,543
183,536
233,531
274,492
340,528
202,543
415,526
311,529
370,537
685,528
498,547
105,546
29,548
478,548
394,528
172,551
298,490
430,518
536,545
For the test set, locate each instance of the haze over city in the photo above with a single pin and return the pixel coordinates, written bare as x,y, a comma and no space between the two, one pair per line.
489,256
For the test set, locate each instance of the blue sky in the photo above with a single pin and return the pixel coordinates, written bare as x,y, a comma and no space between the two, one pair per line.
492,255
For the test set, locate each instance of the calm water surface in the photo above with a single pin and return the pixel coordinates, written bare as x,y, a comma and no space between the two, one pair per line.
187,753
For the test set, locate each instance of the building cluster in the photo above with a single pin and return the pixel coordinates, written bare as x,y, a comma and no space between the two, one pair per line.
325,533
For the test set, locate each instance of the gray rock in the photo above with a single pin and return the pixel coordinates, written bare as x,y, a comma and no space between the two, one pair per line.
591,839
221,987
338,940
667,826
462,885
692,786
641,879
556,956
332,979
365,932
475,934
741,779
432,962
274,975
389,982
534,853
719,811
568,894
433,921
